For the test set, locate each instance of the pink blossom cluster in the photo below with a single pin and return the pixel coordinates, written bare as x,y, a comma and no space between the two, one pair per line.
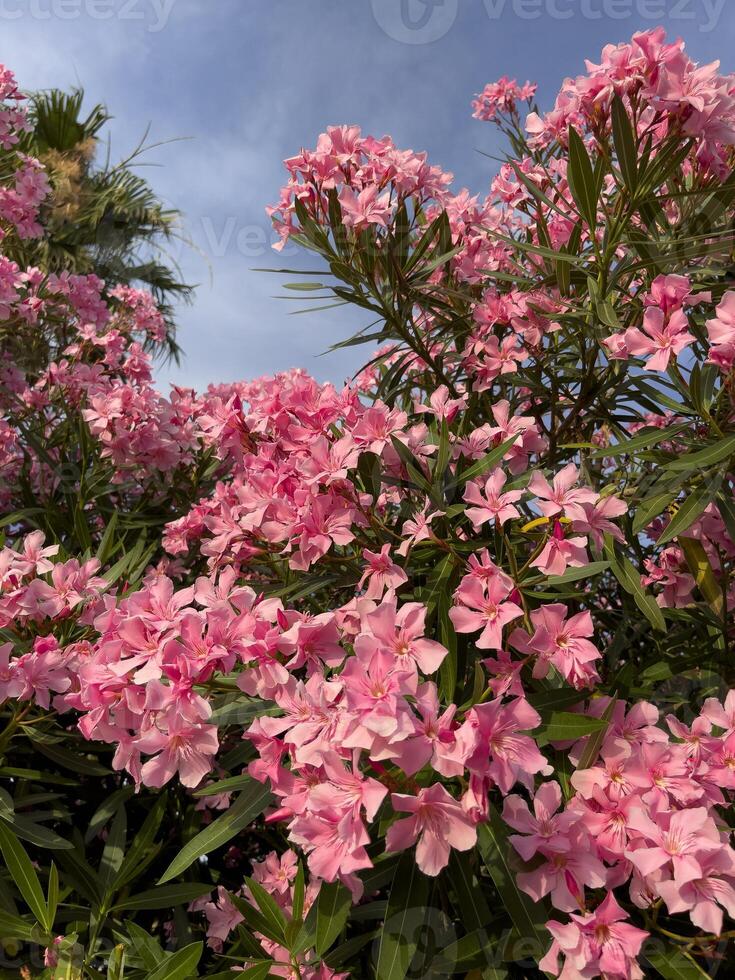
35,594
668,92
276,876
643,815
501,97
21,197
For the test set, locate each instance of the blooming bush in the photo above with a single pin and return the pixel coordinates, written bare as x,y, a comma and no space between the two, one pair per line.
424,676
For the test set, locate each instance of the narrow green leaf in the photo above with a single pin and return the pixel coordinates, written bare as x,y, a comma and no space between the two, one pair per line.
183,963
333,907
527,916
404,919
24,875
674,964
642,441
564,726
581,178
625,148
630,580
714,453
690,510
165,896
248,805
593,746
116,963
52,900
13,927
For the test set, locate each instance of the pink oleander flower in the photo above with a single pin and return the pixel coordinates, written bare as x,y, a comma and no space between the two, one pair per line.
381,573
721,333
562,642
704,897
360,210
678,840
559,496
222,918
183,747
567,868
544,827
484,608
658,339
438,822
560,552
497,749
400,632
599,943
335,843
494,505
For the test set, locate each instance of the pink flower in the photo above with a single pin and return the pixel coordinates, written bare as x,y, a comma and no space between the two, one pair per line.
704,897
184,747
486,609
563,642
438,822
401,633
544,828
381,573
658,339
677,840
497,747
721,333
599,943
560,551
222,918
559,497
568,867
495,505
335,843
365,208
596,522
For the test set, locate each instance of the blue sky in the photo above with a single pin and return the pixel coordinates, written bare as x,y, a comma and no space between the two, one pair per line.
242,84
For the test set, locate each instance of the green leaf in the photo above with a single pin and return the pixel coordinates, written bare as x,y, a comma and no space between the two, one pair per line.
527,916
269,908
105,810
574,574
624,141
248,805
165,896
333,907
182,963
116,963
36,833
13,927
52,901
673,963
714,453
565,726
481,466
146,948
404,918
592,748
641,441
581,177
114,850
630,580
472,904
71,760
257,972
24,875
140,850
692,508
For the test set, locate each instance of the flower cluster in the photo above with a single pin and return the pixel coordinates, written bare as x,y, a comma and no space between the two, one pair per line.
471,613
